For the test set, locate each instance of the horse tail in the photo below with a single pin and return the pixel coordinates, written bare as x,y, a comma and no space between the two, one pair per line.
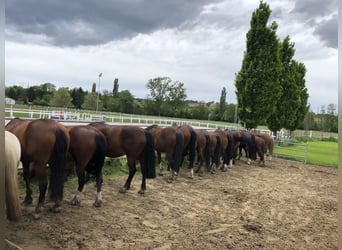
207,151
57,165
12,158
95,165
149,169
270,147
229,148
217,150
253,148
178,152
192,147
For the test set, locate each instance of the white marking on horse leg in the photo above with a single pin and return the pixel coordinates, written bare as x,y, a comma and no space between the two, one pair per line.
98,199
248,161
231,163
191,173
77,198
270,157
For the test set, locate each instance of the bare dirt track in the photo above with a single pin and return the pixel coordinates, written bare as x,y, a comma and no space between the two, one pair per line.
284,205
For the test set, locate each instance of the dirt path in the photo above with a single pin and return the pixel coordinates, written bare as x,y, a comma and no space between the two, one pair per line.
285,205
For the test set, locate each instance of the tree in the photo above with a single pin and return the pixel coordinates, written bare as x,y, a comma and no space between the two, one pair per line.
93,88
61,98
90,101
126,102
158,92
257,83
77,95
223,103
116,87
175,98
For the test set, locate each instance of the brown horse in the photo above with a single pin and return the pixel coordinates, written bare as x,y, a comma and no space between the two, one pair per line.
136,144
203,151
269,143
189,145
169,141
260,148
215,151
88,151
43,142
12,160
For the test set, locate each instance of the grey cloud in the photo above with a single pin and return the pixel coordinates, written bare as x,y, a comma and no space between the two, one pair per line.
87,22
309,9
327,32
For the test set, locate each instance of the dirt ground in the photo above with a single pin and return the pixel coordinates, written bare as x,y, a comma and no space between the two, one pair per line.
284,205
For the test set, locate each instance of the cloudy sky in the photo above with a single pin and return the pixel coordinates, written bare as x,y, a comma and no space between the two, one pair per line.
197,42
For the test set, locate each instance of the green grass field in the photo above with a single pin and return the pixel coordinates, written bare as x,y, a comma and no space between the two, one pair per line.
322,153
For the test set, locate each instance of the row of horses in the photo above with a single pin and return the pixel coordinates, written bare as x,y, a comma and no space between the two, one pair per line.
45,142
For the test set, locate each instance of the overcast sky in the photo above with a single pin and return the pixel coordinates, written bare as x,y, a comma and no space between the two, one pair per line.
197,42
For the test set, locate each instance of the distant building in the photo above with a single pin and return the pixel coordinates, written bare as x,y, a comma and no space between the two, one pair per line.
9,101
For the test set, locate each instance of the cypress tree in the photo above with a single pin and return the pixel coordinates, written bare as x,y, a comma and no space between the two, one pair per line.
257,83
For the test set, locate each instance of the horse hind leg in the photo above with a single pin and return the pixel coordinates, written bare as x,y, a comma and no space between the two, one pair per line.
27,176
99,181
132,170
76,200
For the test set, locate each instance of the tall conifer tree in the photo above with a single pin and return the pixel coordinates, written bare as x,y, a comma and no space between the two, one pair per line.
257,83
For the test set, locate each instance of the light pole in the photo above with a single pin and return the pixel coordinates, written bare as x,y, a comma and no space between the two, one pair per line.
98,93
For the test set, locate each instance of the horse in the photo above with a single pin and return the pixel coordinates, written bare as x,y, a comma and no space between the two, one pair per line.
43,141
88,151
169,141
226,148
260,148
247,140
189,145
12,160
215,151
203,151
269,143
134,142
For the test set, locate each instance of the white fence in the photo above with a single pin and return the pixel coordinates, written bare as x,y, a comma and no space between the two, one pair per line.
288,149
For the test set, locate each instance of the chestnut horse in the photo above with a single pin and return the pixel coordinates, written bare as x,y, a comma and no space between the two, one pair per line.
43,142
12,160
260,148
88,151
203,151
215,150
169,141
136,144
269,143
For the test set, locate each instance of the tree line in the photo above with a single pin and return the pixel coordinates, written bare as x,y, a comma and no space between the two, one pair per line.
166,98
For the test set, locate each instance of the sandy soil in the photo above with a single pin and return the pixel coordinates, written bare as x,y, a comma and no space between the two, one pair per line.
284,205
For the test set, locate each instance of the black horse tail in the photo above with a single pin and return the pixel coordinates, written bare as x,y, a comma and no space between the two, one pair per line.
149,167
207,151
177,159
229,148
192,148
57,165
253,148
217,152
95,165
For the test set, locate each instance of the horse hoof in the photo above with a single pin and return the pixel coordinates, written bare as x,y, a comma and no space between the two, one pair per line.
36,216
161,174
56,209
141,191
190,177
169,180
97,204
122,190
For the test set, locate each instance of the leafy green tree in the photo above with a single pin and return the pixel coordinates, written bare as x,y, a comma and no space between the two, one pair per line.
90,100
126,102
257,83
61,98
77,95
175,99
93,88
159,88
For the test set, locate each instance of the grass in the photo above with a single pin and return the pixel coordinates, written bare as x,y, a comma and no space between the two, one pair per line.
323,153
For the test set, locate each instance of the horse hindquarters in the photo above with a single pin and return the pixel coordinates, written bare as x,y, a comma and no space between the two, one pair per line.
57,164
